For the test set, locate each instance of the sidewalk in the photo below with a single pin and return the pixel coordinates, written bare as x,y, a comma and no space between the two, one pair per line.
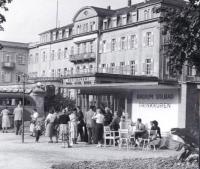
31,155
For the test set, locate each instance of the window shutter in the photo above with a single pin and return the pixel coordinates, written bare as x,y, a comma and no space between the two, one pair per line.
144,39
152,38
152,67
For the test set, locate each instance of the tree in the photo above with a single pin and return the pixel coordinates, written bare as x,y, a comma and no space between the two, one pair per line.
182,24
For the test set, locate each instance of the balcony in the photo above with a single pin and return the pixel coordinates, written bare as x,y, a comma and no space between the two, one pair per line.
8,65
126,70
83,57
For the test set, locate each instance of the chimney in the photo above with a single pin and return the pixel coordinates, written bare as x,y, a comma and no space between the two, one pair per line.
109,7
129,3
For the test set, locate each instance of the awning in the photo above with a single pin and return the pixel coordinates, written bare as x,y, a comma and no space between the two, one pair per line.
121,87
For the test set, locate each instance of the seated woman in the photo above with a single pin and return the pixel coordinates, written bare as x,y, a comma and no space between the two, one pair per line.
154,126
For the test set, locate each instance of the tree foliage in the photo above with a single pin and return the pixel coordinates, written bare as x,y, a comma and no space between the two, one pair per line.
3,7
183,26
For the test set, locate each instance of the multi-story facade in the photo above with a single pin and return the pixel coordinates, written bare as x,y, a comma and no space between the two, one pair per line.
13,59
116,57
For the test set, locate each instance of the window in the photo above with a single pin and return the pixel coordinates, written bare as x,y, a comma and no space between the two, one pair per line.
86,27
59,73
66,35
52,55
148,68
92,26
124,20
78,49
112,67
133,42
43,73
21,59
91,47
30,58
78,29
121,65
133,17
52,73
60,34
113,45
148,38
104,46
84,47
59,54
114,22
146,14
7,77
72,70
123,43
65,71
72,50
77,69
43,56
54,36
105,24
36,57
66,53
132,67
90,68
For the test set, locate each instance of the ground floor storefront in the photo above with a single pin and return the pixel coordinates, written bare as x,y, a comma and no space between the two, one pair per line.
173,105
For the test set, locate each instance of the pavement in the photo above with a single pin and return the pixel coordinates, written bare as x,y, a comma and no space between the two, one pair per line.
30,155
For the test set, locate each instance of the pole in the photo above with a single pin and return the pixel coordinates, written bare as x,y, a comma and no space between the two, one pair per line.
57,15
23,108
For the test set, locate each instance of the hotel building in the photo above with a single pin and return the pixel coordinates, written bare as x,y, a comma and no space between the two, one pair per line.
115,58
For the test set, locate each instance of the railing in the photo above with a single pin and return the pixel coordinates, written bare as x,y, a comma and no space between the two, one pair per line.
83,57
126,70
9,65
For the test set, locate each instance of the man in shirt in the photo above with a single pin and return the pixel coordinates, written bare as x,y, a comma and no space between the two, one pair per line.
18,111
63,125
80,125
107,116
89,123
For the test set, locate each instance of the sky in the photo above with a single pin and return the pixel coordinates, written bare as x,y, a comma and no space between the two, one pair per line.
27,18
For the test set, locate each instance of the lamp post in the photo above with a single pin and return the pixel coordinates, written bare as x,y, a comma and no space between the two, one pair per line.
23,100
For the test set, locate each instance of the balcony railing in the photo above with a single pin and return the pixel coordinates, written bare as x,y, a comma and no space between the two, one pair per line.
9,65
76,58
126,70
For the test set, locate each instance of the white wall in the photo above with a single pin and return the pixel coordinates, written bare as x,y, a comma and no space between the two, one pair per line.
147,106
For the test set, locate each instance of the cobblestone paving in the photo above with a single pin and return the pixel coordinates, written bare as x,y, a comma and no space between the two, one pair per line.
31,155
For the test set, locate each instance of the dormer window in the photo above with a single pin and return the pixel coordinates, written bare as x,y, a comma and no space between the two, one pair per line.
105,24
66,35
54,36
146,14
60,34
133,17
114,22
124,19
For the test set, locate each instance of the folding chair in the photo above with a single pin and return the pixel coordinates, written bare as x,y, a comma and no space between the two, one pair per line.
152,134
124,138
109,135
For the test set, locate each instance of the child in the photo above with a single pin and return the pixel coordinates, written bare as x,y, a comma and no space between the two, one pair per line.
37,131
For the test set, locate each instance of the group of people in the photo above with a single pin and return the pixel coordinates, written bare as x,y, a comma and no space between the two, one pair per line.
74,124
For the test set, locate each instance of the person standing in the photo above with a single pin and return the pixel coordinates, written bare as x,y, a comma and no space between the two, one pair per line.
80,123
73,126
34,117
18,111
108,117
37,131
99,117
5,120
89,123
64,126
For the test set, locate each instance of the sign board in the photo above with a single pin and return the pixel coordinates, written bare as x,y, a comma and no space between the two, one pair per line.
79,81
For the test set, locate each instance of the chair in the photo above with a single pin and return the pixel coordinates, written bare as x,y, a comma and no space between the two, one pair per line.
109,135
124,138
152,134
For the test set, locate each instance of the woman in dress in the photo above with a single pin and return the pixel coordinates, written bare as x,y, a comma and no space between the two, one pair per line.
73,126
51,123
34,117
5,120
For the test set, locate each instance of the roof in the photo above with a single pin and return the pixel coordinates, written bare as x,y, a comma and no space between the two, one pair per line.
14,44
